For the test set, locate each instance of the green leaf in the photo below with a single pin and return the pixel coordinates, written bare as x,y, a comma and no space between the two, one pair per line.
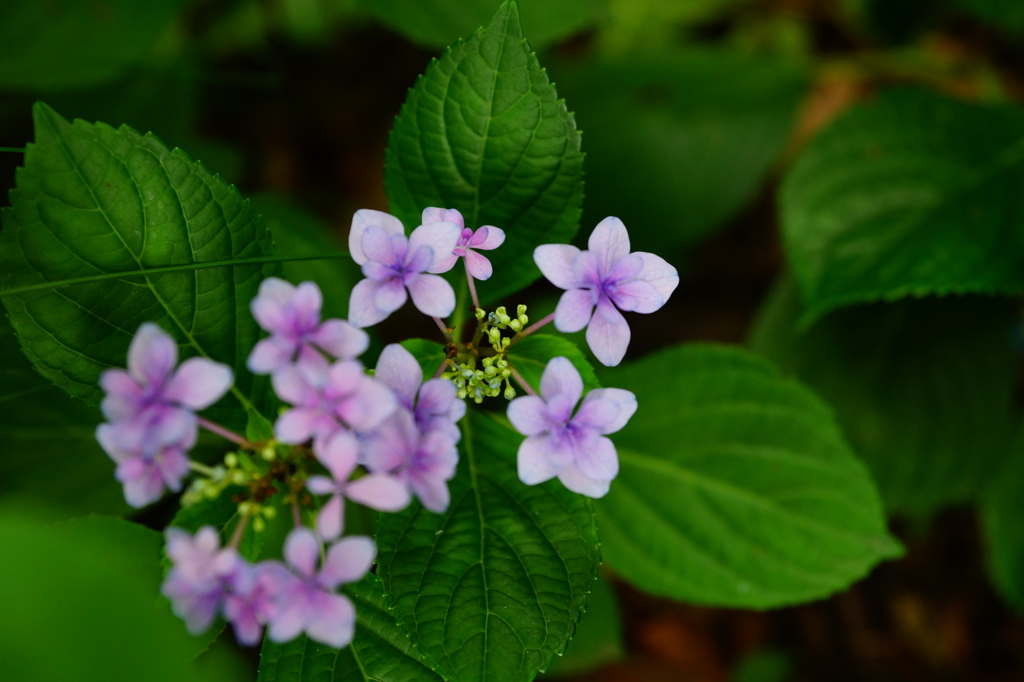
51,449
438,23
483,131
429,354
531,355
222,513
922,388
92,587
493,588
704,129
298,232
1006,14
1002,517
736,487
379,652
598,638
912,194
77,43
92,200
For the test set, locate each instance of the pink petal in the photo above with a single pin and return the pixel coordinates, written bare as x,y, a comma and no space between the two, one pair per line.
478,265
487,238
340,455
529,415
637,296
348,560
142,481
321,485
609,242
555,263
606,409
658,273
574,310
293,386
306,305
390,296
441,215
432,492
289,617
296,426
368,407
362,312
400,371
330,521
379,491
380,246
174,466
440,237
271,302
438,396
596,458
199,383
573,479
433,295
540,460
561,378
332,620
608,334
123,394
302,551
152,355
447,263
392,443
419,260
363,219
269,355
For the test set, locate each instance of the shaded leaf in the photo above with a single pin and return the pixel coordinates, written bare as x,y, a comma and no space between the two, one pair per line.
531,355
1002,516
598,638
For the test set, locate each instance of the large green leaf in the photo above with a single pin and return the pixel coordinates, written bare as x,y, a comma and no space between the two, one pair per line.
483,131
77,43
93,200
922,388
736,487
379,652
704,128
492,589
530,357
91,586
438,23
598,638
51,451
909,195
1002,517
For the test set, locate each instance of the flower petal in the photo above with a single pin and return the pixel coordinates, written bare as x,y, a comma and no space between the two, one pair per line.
658,273
433,295
636,296
270,354
348,560
487,238
561,378
441,215
368,406
321,485
302,551
606,409
529,415
340,455
293,386
596,458
574,310
478,265
330,521
608,334
609,242
365,218
432,492
380,492
440,237
573,479
391,444
555,263
332,620
390,296
124,395
152,355
271,304
540,459
362,311
382,247
296,426
199,383
400,371
341,339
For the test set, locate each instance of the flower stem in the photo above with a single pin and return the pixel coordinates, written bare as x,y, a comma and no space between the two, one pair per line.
225,433
440,370
444,329
296,516
202,468
236,536
531,329
472,287
521,381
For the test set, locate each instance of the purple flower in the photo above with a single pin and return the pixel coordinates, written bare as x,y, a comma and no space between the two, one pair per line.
249,601
438,407
292,316
425,462
154,401
340,455
199,576
396,267
607,276
572,447
325,402
487,238
305,599
145,468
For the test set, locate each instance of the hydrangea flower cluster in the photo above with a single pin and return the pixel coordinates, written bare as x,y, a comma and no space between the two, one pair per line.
376,439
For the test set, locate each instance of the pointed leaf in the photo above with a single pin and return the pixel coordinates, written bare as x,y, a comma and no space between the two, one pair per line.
492,589
483,131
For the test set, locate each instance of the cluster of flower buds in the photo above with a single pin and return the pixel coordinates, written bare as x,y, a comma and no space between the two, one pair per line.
376,439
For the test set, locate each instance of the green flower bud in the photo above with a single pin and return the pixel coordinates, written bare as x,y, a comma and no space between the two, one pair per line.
510,392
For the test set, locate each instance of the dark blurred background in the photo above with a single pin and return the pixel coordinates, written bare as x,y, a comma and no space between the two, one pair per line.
690,110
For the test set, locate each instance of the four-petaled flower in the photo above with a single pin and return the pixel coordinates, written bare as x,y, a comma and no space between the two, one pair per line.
143,467
397,267
292,316
570,446
437,408
305,598
199,575
340,455
609,277
487,238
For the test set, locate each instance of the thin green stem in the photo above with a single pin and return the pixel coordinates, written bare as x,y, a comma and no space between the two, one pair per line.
472,287
460,313
531,329
236,537
16,150
185,267
202,468
225,433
